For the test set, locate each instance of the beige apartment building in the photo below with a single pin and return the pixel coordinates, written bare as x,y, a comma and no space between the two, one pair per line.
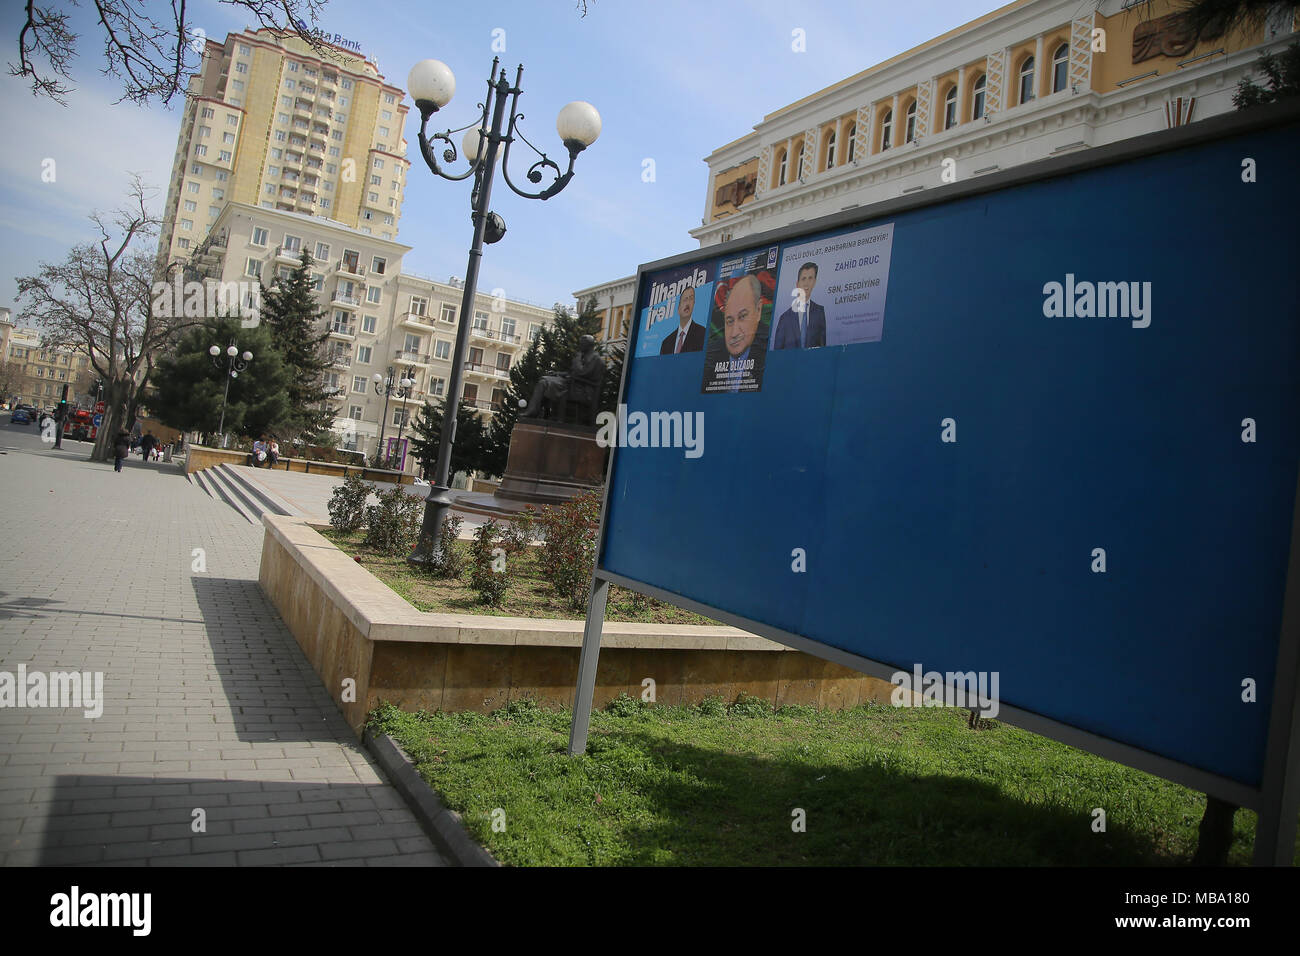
270,123
1030,80
379,319
39,372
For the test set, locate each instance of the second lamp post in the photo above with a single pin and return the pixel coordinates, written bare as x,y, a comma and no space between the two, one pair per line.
236,365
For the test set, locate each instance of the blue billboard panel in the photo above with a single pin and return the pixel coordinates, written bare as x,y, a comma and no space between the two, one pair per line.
1070,458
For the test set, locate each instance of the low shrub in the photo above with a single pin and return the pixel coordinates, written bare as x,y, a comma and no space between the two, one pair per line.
347,505
393,525
569,551
489,569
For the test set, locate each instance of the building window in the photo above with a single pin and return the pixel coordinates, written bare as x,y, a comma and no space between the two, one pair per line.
442,349
237,85
200,150
253,268
354,411
241,66
412,343
436,386
292,243
244,50
507,330
910,130
830,150
399,417
1027,80
977,101
383,132
182,243
196,170
374,294
390,99
378,264
208,112
379,163
534,330
322,252
225,156
1060,67
419,305
187,224
886,129
214,211
376,180
228,138
368,324
190,205
363,354
232,119
448,313
950,108
222,175
799,161
853,137
359,384
279,135
782,167
481,320
218,194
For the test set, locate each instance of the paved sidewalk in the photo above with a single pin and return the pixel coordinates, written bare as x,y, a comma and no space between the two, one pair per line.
210,709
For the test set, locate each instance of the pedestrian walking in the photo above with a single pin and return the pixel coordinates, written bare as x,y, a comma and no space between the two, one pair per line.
147,444
121,448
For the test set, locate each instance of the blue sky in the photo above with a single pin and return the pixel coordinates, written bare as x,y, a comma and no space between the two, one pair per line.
672,80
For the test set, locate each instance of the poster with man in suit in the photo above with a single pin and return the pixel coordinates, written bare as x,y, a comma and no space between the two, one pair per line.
740,323
673,321
832,290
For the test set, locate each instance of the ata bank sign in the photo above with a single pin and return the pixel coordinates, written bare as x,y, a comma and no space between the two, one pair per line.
336,39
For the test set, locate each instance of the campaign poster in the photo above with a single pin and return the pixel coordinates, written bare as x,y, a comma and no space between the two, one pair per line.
674,320
740,321
395,454
832,291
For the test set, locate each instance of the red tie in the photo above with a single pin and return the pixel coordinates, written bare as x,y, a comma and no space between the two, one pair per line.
681,337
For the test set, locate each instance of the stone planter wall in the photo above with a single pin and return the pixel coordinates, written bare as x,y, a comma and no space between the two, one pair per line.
351,625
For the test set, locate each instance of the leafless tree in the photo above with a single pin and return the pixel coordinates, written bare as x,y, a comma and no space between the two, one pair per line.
152,47
99,300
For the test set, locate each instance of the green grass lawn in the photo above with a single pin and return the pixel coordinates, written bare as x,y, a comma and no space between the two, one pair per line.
530,594
718,786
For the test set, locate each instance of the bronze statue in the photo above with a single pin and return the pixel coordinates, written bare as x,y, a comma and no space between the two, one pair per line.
579,386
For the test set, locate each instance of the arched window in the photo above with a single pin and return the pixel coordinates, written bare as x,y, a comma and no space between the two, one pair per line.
977,101
1027,80
781,168
853,138
830,150
1060,68
799,161
886,129
950,108
911,123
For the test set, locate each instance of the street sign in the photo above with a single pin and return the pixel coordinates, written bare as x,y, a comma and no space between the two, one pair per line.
99,406
97,420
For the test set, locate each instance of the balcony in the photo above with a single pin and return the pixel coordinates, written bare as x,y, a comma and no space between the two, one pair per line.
411,358
417,397
488,371
286,255
351,267
347,333
345,300
339,359
482,404
417,322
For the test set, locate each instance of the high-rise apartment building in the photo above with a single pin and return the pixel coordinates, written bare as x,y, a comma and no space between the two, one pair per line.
379,319
271,123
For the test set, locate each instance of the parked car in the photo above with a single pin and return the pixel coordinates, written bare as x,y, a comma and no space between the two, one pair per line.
19,416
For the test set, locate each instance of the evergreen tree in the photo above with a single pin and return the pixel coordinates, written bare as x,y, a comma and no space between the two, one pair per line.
470,451
1282,74
189,387
553,349
290,311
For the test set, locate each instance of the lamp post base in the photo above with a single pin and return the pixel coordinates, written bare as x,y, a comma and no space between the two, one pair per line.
427,552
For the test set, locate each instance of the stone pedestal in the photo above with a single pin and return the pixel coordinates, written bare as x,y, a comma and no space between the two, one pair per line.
550,463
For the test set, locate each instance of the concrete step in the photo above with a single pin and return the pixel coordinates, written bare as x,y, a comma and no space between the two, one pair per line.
247,480
223,488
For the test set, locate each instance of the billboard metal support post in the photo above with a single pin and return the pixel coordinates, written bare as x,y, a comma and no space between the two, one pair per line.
587,662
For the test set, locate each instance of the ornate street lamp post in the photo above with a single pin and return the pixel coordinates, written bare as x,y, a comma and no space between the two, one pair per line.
402,389
432,85
236,365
